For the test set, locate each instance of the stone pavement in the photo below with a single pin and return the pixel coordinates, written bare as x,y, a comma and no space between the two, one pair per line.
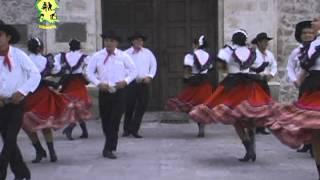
169,152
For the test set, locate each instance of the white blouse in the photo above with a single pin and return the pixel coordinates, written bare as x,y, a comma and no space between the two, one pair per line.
72,58
312,50
243,53
293,66
39,60
202,56
271,69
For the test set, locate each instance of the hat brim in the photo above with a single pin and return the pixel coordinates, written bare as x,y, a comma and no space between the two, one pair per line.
255,40
131,38
117,38
12,31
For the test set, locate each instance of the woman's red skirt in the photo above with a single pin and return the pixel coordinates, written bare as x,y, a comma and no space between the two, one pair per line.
240,104
47,109
75,89
189,97
296,123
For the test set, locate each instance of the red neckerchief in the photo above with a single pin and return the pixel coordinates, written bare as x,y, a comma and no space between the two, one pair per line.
6,60
109,53
136,50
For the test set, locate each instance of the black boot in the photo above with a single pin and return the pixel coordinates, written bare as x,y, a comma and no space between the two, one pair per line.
250,148
250,155
53,156
125,134
262,130
40,152
3,172
24,173
136,135
68,131
201,133
311,151
305,148
108,154
84,130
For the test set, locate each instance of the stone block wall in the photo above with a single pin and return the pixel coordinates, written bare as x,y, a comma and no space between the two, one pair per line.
21,12
82,12
254,16
289,13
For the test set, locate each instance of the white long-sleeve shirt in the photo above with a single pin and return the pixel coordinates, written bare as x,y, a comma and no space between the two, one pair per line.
202,56
271,69
293,66
23,77
145,62
312,49
72,58
226,54
118,67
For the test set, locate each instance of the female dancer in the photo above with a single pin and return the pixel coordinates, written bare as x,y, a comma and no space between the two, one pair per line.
241,98
298,123
198,87
45,109
70,66
304,34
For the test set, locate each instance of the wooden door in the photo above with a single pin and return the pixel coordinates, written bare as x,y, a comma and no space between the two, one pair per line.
170,26
181,22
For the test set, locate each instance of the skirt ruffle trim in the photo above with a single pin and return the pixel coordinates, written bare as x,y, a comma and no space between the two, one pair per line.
34,122
294,126
174,104
244,113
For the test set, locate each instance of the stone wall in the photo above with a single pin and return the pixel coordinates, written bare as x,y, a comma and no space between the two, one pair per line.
78,11
255,16
289,13
21,12
70,11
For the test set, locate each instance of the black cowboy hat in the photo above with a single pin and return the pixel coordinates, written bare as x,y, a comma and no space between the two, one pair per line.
137,35
299,28
10,30
261,36
111,35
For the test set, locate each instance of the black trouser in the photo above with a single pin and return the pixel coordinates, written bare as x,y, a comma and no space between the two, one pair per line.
111,107
136,106
10,124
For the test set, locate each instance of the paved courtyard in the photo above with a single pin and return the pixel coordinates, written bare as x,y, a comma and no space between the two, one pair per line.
169,152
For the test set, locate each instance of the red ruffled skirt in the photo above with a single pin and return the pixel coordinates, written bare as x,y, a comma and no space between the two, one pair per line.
296,123
243,103
46,109
75,89
189,97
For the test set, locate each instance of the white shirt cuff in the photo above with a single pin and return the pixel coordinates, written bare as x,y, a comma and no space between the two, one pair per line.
24,92
150,75
96,82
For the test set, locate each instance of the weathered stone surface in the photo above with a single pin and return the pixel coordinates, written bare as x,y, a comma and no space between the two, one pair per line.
21,12
291,12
